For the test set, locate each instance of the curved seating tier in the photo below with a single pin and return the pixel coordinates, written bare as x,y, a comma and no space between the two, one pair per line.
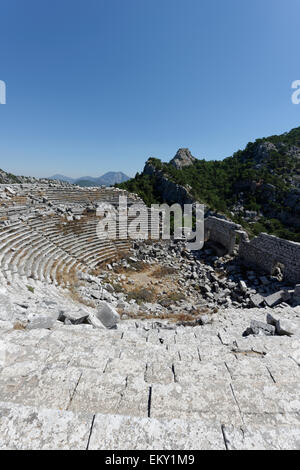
39,249
47,247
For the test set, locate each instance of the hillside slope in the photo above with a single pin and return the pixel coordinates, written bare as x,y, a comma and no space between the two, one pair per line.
258,187
108,179
9,178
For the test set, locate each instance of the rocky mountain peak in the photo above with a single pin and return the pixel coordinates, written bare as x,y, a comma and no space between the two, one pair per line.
183,158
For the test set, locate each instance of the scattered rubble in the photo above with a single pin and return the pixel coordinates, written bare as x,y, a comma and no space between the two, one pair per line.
280,327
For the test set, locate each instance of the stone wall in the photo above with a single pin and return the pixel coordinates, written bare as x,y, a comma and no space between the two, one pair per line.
266,251
222,231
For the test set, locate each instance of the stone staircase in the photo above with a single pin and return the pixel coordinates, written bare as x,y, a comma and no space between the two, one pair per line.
143,386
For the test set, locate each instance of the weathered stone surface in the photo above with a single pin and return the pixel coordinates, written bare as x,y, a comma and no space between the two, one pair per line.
107,314
94,321
26,428
284,326
42,320
275,298
257,300
75,318
262,437
123,432
257,327
202,400
94,395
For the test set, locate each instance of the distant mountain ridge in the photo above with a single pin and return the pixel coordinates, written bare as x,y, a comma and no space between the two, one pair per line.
108,179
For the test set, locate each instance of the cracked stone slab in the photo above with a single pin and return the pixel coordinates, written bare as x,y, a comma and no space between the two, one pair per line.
215,354
135,399
271,419
29,428
27,337
283,370
126,367
263,437
54,386
93,359
210,397
184,353
148,353
257,397
11,353
159,373
128,433
196,372
248,367
94,395
49,386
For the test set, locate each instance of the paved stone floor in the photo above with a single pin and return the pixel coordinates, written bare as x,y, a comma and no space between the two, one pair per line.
143,386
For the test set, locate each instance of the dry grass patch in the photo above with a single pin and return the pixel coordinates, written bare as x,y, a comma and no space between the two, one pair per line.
182,318
19,326
118,287
141,295
170,298
163,271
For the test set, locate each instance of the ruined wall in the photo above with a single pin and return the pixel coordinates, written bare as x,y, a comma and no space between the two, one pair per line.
223,232
266,251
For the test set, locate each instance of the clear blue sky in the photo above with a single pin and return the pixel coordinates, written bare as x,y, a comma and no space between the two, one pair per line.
99,85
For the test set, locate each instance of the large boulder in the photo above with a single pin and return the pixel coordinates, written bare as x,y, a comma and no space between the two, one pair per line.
107,314
45,320
284,326
257,300
95,322
259,328
276,298
73,317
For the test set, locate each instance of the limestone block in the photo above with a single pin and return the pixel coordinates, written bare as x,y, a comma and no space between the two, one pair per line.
95,322
256,300
75,318
41,320
26,428
209,397
130,433
262,437
284,326
276,298
107,314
